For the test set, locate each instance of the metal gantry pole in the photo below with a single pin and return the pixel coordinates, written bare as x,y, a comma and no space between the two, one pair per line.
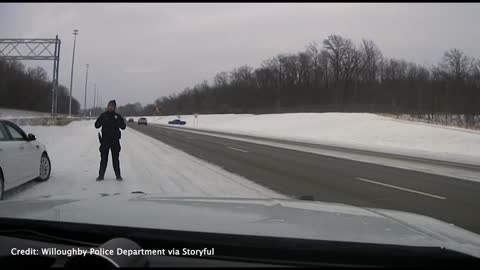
53,79
56,77
75,33
85,98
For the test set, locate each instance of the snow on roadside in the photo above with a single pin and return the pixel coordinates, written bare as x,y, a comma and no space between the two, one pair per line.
353,130
147,165
14,113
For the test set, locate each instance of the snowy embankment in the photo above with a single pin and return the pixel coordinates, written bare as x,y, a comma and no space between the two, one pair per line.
14,114
147,165
353,130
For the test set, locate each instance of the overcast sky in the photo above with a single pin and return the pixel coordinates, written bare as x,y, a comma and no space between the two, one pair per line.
139,52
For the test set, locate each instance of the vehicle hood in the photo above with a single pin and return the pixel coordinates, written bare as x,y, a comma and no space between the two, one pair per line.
263,217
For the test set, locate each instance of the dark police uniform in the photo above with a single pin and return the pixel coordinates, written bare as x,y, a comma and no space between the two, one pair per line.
111,123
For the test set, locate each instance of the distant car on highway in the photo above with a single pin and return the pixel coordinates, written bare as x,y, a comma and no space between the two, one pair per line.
142,121
130,120
177,122
22,157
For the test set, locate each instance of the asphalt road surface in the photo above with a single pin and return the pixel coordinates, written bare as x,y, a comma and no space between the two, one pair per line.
330,179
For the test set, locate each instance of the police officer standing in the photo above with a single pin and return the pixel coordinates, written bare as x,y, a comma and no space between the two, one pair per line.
111,123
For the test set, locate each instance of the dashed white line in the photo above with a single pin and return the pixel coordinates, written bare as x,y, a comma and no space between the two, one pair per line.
404,189
455,173
237,149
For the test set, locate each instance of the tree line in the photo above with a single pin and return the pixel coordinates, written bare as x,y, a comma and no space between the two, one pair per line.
338,75
136,109
31,89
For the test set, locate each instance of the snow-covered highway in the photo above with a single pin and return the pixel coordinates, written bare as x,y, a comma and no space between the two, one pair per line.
179,162
147,165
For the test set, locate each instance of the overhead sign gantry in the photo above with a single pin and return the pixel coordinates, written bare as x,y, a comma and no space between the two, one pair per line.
34,49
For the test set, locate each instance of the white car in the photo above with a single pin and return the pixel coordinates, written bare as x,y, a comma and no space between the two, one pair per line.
142,121
22,158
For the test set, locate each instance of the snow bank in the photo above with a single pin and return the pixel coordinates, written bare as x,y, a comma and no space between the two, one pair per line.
13,113
147,165
354,130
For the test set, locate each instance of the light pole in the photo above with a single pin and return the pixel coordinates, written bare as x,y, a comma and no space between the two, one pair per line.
85,99
98,96
75,33
94,97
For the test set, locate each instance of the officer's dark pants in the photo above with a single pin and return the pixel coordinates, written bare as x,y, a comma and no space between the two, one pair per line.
105,146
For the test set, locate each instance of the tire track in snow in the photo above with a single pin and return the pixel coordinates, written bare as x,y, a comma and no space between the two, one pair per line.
186,181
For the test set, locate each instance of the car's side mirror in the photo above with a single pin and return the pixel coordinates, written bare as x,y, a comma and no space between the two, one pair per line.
31,137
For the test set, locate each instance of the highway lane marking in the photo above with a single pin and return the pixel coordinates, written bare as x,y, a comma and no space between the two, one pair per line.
237,149
178,136
404,189
434,169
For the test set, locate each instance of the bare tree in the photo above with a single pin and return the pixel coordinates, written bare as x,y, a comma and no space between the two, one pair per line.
221,79
335,47
242,75
455,63
30,89
371,62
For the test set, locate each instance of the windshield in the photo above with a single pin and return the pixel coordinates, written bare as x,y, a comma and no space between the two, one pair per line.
349,122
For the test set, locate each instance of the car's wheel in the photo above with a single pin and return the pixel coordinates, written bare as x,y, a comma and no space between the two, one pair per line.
45,168
2,186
